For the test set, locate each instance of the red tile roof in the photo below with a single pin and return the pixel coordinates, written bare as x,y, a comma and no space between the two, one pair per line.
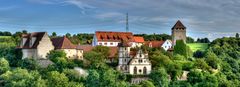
113,52
138,39
114,36
63,43
29,36
85,48
179,25
154,44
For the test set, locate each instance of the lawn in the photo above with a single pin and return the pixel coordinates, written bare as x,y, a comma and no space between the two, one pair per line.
198,46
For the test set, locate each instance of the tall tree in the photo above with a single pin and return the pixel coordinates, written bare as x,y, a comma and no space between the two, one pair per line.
54,34
4,65
160,77
237,35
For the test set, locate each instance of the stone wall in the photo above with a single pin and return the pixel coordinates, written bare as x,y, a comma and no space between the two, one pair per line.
44,47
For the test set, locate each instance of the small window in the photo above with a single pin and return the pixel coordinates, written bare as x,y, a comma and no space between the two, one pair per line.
140,70
111,43
100,43
105,43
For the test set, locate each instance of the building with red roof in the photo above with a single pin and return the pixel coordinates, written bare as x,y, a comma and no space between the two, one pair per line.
112,39
166,45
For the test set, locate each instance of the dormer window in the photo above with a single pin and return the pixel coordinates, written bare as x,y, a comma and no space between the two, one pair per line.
33,39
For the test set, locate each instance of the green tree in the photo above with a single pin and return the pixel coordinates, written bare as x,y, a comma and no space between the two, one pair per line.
195,76
105,51
93,79
180,48
56,79
190,40
237,35
68,35
4,65
95,59
53,55
147,83
160,77
22,78
30,64
211,59
54,34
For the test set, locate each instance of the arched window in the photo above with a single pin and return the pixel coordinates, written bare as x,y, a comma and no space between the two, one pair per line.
144,70
135,70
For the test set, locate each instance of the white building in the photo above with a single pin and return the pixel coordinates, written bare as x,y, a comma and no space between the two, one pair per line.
166,45
136,63
112,39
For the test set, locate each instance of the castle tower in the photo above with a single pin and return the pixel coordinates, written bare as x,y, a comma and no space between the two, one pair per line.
178,32
123,56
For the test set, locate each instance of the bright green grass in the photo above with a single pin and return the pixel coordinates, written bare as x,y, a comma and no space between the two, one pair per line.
5,37
198,46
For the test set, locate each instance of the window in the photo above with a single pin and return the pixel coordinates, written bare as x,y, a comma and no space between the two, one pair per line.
144,70
111,43
135,70
140,55
100,43
140,71
140,61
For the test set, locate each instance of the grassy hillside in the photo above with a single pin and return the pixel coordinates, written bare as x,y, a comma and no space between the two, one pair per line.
198,46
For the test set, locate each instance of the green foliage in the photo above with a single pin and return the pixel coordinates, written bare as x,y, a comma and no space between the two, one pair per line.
203,40
103,50
147,83
180,48
211,59
54,54
195,76
201,64
190,40
95,59
153,37
4,65
29,63
237,35
198,54
159,77
56,79
22,78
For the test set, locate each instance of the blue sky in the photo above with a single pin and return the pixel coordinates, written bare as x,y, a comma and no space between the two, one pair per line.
203,18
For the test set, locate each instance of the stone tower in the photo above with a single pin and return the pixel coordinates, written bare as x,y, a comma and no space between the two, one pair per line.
123,56
178,32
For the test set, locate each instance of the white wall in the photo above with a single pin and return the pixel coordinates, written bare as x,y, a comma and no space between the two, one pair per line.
167,45
44,47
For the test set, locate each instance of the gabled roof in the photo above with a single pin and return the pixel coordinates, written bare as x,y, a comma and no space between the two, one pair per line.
63,43
113,36
38,35
154,44
85,48
138,39
179,25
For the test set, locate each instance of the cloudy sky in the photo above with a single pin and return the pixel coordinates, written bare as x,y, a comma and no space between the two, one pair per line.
203,18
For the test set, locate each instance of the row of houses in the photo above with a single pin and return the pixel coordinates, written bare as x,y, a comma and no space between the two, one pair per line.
39,44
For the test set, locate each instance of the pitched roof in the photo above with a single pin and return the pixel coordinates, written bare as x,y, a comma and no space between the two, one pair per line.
113,52
113,36
138,39
62,43
154,44
29,36
85,48
179,25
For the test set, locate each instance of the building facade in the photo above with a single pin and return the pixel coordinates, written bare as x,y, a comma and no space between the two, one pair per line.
178,32
166,45
133,63
38,44
112,39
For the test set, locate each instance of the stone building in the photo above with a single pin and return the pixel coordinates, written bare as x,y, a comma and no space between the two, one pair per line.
36,45
178,32
72,51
